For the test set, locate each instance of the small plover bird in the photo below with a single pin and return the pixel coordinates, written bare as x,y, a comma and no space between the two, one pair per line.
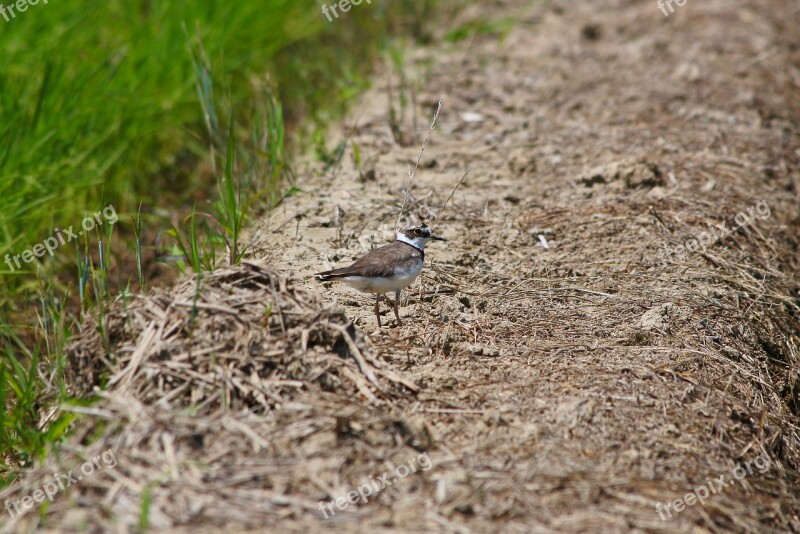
388,268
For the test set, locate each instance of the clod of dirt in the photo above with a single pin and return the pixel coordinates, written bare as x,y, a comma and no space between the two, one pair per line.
591,32
631,174
663,316
522,163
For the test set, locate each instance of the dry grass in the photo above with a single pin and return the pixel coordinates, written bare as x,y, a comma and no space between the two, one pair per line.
242,338
571,388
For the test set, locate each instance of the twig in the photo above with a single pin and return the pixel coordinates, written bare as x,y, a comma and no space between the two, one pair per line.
439,216
413,172
357,355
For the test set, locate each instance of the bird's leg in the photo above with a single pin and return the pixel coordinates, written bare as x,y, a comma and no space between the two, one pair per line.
377,308
396,304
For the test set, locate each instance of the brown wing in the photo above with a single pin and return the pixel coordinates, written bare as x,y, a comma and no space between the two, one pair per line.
375,262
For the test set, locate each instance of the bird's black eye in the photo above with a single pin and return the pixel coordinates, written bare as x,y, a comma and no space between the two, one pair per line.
417,231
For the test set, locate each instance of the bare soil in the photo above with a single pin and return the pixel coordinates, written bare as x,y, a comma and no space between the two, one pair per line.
559,371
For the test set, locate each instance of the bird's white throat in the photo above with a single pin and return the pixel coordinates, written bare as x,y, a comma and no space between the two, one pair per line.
418,242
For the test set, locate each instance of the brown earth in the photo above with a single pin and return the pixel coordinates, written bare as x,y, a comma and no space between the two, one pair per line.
572,387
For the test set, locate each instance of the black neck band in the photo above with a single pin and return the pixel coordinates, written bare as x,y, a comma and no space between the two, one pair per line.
420,250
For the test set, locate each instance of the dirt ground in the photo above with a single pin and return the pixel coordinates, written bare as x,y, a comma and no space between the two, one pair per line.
556,370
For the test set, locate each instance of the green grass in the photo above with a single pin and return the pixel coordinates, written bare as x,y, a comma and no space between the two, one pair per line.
28,386
152,107
99,97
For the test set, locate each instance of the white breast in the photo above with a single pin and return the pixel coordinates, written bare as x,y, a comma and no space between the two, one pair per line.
377,284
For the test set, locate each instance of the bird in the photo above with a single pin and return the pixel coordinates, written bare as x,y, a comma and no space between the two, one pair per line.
391,267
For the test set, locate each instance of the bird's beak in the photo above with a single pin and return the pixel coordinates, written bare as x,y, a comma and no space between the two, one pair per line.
437,238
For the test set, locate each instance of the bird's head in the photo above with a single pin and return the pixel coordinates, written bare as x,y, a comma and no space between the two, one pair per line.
418,236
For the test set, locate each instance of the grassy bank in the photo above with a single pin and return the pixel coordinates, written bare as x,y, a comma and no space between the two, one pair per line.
127,105
100,105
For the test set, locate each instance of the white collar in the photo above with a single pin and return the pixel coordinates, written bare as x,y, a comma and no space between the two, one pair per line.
416,242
